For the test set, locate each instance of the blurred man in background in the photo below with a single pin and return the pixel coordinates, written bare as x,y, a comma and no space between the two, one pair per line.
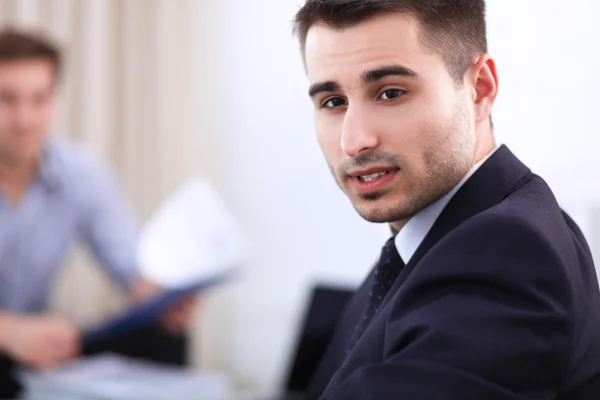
486,289
51,195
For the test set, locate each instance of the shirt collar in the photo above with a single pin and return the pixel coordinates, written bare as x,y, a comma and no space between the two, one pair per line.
412,234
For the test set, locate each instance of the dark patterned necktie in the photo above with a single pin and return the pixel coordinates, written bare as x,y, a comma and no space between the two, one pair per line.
384,274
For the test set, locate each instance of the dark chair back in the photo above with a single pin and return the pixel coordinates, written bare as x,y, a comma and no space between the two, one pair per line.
325,307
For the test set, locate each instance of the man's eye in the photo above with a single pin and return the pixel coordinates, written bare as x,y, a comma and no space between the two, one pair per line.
334,102
391,94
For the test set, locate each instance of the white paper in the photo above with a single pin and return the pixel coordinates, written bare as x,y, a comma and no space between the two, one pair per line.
118,378
191,236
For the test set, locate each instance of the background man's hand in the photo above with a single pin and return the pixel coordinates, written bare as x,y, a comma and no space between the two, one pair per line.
40,342
178,317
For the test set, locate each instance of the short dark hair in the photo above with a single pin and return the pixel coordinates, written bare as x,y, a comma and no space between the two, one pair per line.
455,29
18,45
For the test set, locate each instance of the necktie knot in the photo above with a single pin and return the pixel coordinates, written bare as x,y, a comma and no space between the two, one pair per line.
389,255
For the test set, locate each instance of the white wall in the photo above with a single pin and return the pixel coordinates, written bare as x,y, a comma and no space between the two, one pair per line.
548,101
269,169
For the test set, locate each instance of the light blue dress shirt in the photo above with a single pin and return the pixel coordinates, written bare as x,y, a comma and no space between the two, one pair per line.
73,197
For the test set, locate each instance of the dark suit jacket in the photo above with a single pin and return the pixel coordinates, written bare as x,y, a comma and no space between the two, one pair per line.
499,302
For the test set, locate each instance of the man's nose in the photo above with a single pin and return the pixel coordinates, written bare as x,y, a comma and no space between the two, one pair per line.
358,134
24,115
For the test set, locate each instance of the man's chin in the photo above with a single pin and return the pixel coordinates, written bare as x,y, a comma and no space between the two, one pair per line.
378,213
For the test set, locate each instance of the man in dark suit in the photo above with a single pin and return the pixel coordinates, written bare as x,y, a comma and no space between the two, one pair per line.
486,290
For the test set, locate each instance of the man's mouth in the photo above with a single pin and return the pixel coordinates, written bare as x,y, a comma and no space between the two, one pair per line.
372,177
373,180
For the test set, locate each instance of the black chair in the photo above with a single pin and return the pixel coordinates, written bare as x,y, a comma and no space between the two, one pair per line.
325,307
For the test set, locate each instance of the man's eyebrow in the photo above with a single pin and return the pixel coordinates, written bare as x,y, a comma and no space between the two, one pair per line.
367,77
329,86
390,70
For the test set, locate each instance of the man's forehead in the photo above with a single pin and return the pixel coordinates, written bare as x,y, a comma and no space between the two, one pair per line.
32,72
382,40
27,66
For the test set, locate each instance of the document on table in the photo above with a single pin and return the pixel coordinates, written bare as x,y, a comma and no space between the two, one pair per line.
115,377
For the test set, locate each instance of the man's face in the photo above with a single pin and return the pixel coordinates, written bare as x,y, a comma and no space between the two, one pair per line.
395,128
27,102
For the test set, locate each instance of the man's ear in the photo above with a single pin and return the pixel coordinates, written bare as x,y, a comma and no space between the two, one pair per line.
485,87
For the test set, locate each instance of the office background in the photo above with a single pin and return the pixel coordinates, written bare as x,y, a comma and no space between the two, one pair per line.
169,89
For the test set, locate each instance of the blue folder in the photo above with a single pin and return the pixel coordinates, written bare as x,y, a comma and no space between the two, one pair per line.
150,311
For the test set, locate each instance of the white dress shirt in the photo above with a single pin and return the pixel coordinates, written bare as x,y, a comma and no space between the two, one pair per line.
412,234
